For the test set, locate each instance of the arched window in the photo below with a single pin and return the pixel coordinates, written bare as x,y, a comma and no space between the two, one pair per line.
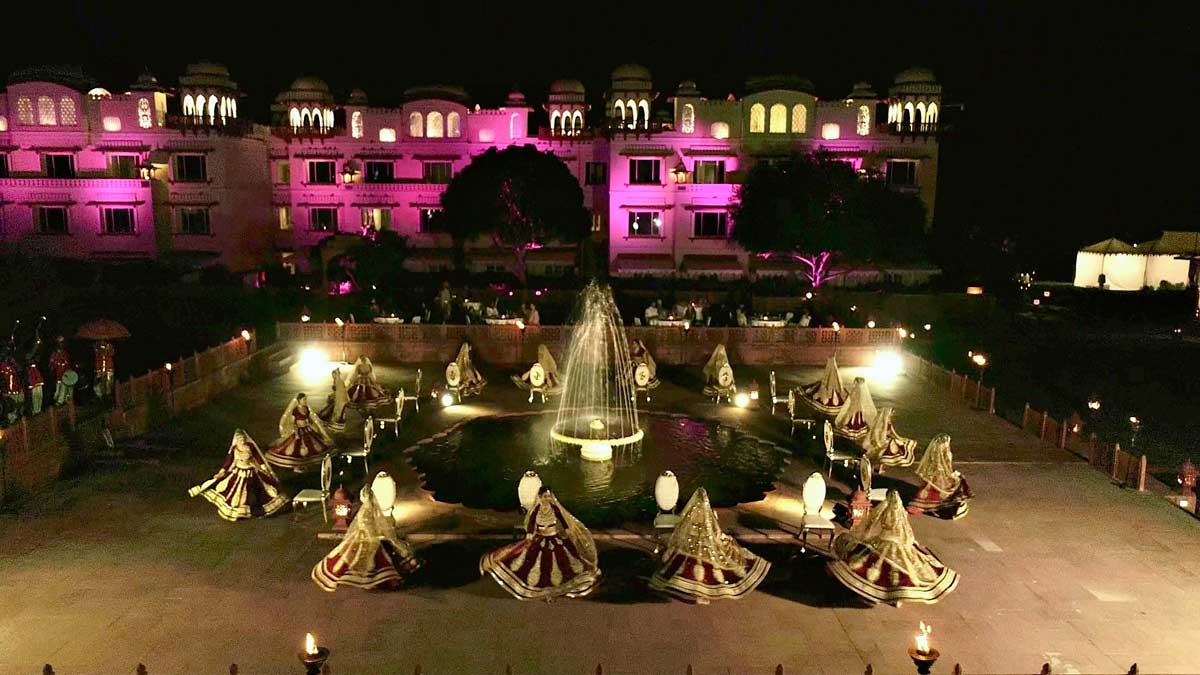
144,113
453,125
416,125
799,119
719,130
233,108
778,119
577,122
305,118
46,115
189,106
515,127
919,118
66,112
645,106
356,124
619,111
25,110
758,118
224,108
329,118
864,121
555,127
931,113
212,109
906,122
831,131
294,118
687,119
318,120
199,113
891,113
632,107
433,125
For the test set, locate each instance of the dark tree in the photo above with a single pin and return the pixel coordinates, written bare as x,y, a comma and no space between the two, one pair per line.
520,197
816,209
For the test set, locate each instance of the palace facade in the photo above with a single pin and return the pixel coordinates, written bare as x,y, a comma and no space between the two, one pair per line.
178,172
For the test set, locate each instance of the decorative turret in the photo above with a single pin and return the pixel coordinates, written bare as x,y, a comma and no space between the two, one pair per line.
567,107
687,96
307,104
863,100
628,103
208,94
914,100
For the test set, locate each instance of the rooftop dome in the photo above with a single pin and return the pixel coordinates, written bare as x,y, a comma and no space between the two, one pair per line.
100,92
515,99
309,83
862,90
357,97
687,88
760,83
67,76
442,92
916,75
631,76
207,68
146,82
566,87
207,75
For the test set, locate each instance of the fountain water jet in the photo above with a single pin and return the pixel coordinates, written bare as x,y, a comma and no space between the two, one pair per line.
598,409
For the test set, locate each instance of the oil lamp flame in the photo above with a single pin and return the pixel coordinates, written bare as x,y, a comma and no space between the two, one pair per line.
310,644
923,639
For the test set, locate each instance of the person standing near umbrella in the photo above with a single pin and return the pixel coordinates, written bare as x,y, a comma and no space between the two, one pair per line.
60,363
104,368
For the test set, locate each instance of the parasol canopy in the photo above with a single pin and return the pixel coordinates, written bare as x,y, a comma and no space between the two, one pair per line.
102,329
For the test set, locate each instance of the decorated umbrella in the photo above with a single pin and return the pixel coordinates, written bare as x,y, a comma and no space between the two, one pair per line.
102,329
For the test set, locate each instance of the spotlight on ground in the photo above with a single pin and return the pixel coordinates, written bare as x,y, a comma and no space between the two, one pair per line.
741,399
447,399
314,363
887,365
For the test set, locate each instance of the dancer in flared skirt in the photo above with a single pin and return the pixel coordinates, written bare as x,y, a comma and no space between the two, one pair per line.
883,446
880,559
701,563
556,558
826,395
364,390
718,375
303,438
334,412
553,381
944,492
244,486
854,419
372,555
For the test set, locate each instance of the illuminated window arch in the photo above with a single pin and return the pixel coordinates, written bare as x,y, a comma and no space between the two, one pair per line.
416,125
199,106
356,124
863,127
318,119
224,108
46,115
515,127
212,109
294,118
233,107
555,124
719,130
25,110
329,118
799,119
778,119
454,125
433,125
687,119
189,106
577,122
645,106
758,118
305,118
633,113
619,111
931,113
144,113
919,118
907,120
66,112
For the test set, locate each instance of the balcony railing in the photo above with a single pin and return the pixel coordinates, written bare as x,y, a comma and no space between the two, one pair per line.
290,132
43,182
923,130
230,126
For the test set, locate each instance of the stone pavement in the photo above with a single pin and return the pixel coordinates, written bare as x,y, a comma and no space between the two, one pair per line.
118,566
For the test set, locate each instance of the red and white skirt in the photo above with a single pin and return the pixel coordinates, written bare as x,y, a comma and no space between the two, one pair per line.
541,568
301,449
367,395
864,571
690,579
829,404
387,568
327,417
855,427
947,505
242,494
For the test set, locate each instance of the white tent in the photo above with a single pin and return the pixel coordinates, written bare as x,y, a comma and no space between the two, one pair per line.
1122,266
1169,258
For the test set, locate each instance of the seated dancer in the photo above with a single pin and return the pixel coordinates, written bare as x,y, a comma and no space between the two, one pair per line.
372,554
364,390
827,394
334,412
470,380
881,560
718,375
854,419
884,447
944,492
553,383
701,563
303,439
244,486
556,558
639,355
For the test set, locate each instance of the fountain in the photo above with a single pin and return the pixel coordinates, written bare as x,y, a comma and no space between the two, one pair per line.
598,409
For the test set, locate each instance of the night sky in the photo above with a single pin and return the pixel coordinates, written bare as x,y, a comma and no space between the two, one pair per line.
1075,122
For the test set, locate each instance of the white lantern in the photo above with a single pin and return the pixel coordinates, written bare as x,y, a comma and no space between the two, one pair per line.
527,489
666,491
814,493
384,489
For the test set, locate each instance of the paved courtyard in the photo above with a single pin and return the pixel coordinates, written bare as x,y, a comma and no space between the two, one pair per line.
118,567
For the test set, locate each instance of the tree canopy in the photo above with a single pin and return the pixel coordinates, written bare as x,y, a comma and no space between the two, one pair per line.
816,208
520,197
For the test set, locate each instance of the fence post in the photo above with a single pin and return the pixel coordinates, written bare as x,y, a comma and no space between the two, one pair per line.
992,401
978,391
1141,477
1024,416
1116,460
1042,433
1062,435
1093,458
